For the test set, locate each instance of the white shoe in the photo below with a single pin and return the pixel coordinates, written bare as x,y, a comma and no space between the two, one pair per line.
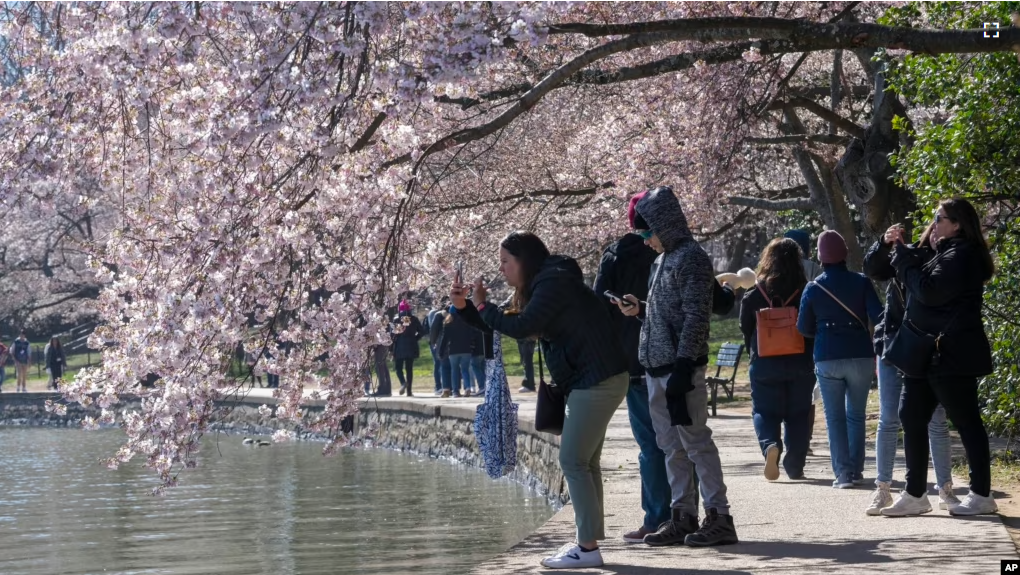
571,557
974,504
881,499
772,462
946,498
907,505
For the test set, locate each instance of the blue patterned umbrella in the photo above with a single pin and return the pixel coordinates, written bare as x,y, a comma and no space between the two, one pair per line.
496,418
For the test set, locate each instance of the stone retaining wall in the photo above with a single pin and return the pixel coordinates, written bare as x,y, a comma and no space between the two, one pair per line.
406,425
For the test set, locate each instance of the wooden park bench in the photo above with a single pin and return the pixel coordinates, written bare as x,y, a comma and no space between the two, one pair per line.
729,356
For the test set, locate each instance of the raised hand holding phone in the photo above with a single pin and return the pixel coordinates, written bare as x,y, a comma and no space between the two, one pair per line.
458,291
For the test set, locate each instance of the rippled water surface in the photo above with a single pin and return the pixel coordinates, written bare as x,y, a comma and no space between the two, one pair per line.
274,510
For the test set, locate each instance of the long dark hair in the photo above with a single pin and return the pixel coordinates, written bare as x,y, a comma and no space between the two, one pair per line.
780,270
961,212
531,253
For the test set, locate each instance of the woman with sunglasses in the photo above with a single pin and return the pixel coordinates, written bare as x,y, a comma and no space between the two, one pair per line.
944,292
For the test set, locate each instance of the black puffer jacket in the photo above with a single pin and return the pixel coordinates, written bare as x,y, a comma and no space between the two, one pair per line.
405,344
944,292
625,269
878,266
574,327
458,337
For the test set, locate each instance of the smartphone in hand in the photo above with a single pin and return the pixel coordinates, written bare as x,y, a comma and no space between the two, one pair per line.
619,298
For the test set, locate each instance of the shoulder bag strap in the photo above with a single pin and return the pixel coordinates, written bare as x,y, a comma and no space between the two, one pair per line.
848,310
768,300
541,369
789,299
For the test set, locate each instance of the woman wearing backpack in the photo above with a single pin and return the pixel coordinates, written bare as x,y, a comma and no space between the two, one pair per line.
836,310
781,385
944,293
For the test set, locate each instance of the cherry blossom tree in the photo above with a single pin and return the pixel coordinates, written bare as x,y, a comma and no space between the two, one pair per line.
273,175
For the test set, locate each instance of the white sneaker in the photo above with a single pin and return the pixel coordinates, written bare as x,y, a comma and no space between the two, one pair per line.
571,557
881,499
772,462
946,498
974,504
907,505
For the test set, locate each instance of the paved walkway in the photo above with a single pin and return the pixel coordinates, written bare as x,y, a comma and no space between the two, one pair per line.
784,527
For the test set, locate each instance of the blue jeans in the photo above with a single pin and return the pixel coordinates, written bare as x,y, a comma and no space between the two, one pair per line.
478,369
890,389
460,369
437,369
655,491
785,398
845,384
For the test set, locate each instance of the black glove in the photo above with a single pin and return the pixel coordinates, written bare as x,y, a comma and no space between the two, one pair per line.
676,392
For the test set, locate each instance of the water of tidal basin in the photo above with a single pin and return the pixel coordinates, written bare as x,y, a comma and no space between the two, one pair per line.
273,510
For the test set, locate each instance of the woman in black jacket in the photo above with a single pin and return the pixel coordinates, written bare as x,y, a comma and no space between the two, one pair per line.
781,386
877,266
581,349
944,291
407,331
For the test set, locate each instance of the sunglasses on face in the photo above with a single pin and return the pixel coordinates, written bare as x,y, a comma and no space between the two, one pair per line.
940,217
645,234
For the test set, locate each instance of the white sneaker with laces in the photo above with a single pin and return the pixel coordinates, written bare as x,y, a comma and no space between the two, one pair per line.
947,500
974,504
907,505
572,557
881,499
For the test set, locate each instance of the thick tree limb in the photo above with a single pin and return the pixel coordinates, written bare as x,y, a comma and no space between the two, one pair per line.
824,36
801,138
773,205
823,113
739,218
553,192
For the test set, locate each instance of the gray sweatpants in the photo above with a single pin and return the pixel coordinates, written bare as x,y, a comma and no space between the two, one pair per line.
684,445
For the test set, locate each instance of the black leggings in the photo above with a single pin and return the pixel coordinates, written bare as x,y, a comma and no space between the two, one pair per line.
960,398
405,380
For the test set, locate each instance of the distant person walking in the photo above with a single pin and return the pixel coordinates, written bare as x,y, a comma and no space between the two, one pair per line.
56,362
22,357
526,348
407,332
4,352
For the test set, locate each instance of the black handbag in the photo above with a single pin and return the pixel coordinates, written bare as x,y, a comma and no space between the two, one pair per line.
551,408
911,350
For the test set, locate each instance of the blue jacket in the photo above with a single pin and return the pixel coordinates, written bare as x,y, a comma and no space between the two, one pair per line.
837,334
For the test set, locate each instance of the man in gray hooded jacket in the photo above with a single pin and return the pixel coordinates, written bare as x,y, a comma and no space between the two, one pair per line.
674,352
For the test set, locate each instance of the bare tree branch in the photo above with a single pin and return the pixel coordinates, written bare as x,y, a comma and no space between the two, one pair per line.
523,196
821,36
773,205
801,138
823,113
